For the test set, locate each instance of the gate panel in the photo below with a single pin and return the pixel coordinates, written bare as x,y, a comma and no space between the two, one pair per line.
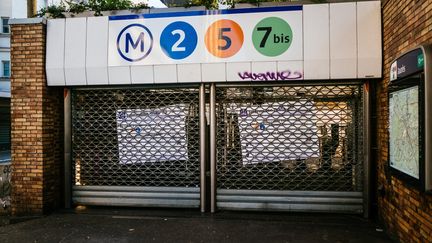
136,147
290,147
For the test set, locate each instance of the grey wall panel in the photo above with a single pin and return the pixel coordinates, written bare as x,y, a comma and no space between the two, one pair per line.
55,51
75,51
119,75
369,39
97,50
343,41
316,24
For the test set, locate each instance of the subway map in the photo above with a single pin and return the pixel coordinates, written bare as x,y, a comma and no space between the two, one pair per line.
404,131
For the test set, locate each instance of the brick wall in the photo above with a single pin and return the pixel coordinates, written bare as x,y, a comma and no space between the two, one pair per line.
406,212
37,149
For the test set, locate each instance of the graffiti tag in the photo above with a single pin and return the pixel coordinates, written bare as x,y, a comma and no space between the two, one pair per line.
266,76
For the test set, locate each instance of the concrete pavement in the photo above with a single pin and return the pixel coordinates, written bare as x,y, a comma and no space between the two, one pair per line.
156,225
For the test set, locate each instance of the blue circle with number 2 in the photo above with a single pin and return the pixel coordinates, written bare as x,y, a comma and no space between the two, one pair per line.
178,40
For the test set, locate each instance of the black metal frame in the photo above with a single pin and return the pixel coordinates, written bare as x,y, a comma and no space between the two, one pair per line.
399,85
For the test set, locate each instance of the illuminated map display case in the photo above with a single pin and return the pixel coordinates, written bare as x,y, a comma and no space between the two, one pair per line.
410,118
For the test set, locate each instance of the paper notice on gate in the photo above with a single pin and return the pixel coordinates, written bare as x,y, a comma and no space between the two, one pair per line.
152,135
276,132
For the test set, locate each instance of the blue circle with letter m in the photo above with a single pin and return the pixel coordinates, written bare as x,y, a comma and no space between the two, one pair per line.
134,42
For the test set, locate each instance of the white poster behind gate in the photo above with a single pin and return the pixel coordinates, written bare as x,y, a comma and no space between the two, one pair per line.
275,132
152,135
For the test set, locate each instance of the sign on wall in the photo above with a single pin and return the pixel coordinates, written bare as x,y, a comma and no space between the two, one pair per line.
409,121
152,135
283,43
404,131
408,64
256,34
277,123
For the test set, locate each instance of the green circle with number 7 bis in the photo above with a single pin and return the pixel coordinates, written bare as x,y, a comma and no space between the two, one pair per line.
272,36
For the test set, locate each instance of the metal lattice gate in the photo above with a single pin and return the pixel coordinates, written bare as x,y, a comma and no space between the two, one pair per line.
136,147
282,147
296,148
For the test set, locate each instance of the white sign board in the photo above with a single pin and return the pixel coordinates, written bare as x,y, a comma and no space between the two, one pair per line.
275,132
282,43
152,135
255,34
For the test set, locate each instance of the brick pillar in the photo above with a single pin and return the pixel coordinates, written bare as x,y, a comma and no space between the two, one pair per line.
37,113
405,211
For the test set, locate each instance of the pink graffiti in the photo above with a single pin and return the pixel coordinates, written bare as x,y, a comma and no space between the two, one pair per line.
266,76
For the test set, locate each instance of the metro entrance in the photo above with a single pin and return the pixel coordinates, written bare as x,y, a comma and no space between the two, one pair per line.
212,110
269,147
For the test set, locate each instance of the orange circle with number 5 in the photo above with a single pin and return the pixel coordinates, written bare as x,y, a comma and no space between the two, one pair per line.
224,38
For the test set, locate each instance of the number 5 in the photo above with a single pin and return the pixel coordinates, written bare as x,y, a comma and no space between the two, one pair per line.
225,38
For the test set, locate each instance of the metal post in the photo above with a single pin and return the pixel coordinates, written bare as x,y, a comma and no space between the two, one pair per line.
202,146
67,148
366,149
213,147
427,52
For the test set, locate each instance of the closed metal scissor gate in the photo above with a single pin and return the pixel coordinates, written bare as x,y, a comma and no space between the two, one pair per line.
293,147
296,148
136,147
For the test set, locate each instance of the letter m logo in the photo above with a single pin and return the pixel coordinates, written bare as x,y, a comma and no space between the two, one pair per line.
139,41
134,42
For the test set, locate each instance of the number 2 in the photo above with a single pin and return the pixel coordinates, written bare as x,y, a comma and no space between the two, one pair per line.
225,38
181,38
266,35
